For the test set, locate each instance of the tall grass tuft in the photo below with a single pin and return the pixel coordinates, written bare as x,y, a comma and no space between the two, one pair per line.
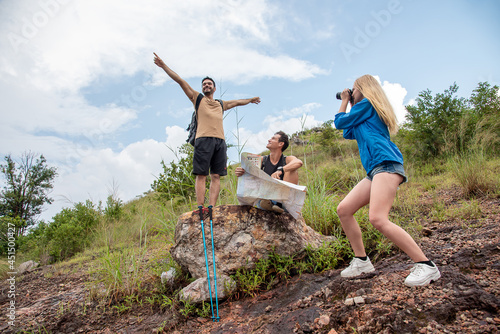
120,272
319,209
472,174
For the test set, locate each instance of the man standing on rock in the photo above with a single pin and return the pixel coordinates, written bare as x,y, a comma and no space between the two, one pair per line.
210,145
277,166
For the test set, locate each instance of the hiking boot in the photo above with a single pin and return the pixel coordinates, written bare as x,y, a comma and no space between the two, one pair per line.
422,274
205,212
357,267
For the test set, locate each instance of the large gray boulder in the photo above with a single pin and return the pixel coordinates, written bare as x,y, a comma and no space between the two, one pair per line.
242,236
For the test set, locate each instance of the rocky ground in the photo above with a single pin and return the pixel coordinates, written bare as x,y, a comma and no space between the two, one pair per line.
465,299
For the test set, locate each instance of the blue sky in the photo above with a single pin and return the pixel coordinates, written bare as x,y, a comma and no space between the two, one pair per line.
78,83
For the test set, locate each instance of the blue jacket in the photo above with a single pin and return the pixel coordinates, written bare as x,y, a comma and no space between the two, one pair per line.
364,125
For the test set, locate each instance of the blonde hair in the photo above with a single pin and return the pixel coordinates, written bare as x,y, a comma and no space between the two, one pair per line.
372,90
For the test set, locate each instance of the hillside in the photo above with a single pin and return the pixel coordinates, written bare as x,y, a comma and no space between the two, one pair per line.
58,298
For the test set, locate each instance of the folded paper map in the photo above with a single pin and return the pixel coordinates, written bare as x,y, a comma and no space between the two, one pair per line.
255,184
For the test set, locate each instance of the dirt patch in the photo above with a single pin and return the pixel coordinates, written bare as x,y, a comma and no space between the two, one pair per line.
464,300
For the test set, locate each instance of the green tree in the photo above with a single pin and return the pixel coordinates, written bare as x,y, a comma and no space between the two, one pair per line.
431,122
26,191
484,106
177,178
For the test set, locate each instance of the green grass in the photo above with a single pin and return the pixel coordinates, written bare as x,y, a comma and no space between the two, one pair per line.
277,268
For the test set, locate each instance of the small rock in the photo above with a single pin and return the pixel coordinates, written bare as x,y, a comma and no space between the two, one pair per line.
349,301
359,300
484,283
324,320
269,308
307,328
26,266
197,291
426,232
168,277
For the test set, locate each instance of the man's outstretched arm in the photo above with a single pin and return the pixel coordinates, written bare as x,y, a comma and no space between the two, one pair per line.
183,83
241,102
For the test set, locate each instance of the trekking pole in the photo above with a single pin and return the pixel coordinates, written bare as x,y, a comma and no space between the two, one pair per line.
206,259
215,270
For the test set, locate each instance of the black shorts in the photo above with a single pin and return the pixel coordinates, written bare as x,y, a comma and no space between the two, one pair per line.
210,156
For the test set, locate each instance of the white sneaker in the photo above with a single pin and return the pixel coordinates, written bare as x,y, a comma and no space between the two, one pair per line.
422,274
357,267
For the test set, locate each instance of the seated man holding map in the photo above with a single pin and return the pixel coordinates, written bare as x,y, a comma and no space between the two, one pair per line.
278,167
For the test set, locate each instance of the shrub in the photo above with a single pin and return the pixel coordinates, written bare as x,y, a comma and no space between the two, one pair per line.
472,174
70,232
177,178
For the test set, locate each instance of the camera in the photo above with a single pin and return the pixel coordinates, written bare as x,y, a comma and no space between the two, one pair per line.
339,97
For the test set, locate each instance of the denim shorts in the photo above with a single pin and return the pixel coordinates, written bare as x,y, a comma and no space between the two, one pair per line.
388,167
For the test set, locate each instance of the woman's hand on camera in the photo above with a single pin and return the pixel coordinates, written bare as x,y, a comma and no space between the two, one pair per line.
346,94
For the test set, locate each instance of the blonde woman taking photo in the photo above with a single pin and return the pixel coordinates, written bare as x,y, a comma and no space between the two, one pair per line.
370,122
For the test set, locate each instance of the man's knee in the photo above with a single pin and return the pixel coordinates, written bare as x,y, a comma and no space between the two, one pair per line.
201,178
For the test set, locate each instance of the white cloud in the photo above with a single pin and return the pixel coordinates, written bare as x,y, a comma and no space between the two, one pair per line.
83,40
396,95
305,109
256,142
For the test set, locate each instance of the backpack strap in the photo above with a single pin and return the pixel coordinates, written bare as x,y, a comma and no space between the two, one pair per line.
198,100
264,160
221,104
283,160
